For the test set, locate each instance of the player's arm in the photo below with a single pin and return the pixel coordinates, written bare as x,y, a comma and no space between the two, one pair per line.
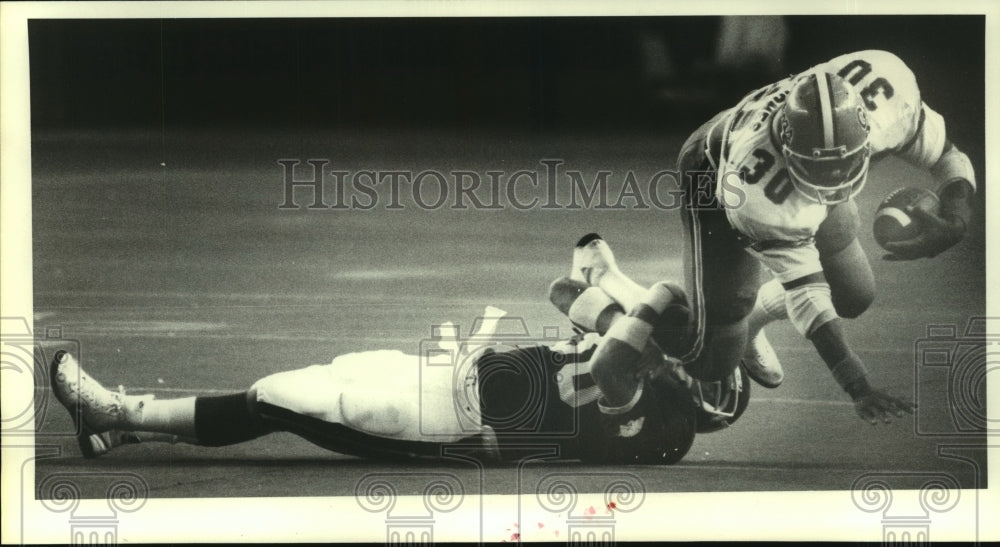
923,141
903,125
956,186
849,371
811,311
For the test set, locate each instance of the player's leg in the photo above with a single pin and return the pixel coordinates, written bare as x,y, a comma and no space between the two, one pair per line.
378,404
626,336
845,264
759,360
106,418
313,402
722,279
594,264
626,345
846,269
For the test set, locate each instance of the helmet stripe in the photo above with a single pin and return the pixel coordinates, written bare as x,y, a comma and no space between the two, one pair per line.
826,109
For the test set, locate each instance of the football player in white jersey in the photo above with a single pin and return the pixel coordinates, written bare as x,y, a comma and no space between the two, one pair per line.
770,183
487,400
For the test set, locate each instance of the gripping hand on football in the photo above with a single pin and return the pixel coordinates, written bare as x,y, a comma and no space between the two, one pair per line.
938,235
874,405
941,230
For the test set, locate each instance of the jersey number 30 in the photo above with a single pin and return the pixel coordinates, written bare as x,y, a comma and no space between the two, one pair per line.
778,187
878,86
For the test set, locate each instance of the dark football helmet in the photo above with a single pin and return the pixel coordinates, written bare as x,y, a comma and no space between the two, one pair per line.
664,417
823,130
720,403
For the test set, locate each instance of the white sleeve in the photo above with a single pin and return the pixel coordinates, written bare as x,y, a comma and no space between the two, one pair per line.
927,143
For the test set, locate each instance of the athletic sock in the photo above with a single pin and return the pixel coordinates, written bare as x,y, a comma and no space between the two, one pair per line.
594,310
589,308
226,419
769,307
171,416
622,289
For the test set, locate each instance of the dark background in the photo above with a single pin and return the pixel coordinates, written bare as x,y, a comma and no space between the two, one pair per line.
538,74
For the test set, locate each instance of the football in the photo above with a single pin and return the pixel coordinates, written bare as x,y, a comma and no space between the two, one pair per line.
892,219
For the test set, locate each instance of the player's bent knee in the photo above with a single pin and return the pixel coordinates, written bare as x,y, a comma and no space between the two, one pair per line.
307,391
614,361
852,283
851,306
839,230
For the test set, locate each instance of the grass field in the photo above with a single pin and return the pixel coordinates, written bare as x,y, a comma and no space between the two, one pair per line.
168,259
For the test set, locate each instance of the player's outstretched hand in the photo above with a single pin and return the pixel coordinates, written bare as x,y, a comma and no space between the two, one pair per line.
938,234
878,405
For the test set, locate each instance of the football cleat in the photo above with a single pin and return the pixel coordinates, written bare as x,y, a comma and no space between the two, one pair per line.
762,364
592,258
97,411
102,443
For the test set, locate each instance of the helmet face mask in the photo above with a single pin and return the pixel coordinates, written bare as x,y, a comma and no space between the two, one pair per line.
824,138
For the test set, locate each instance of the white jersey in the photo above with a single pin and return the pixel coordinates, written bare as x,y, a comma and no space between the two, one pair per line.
754,184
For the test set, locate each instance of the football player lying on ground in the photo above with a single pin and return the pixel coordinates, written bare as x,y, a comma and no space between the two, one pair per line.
594,263
770,183
385,404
